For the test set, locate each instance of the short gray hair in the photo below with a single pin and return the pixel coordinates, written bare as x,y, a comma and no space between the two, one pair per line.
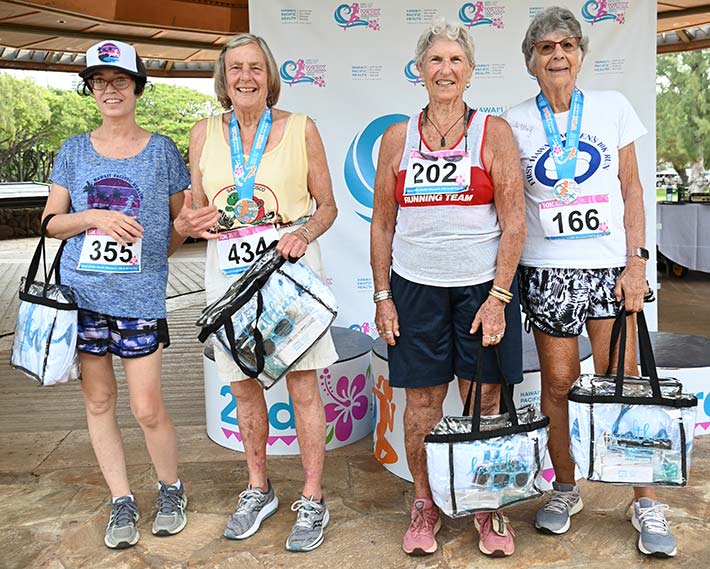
273,81
551,20
441,29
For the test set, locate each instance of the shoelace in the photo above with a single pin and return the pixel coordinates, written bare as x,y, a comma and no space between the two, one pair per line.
122,514
420,520
168,502
307,509
247,500
500,524
654,519
561,502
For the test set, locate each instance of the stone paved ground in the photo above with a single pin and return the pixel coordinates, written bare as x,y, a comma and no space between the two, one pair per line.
54,503
54,506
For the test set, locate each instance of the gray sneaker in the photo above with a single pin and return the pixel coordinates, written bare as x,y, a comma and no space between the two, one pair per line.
307,532
121,531
564,501
655,536
254,507
170,518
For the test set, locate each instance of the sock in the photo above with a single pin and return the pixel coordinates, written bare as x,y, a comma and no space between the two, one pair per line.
177,484
114,498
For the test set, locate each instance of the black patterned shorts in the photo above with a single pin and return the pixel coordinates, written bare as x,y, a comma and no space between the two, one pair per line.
560,301
124,337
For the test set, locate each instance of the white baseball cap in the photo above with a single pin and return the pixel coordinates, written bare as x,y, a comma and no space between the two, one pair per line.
113,54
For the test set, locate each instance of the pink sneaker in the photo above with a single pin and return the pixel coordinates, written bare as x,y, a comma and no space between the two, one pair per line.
419,539
496,535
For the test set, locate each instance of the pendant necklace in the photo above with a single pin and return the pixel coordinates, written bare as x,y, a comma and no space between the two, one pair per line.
438,130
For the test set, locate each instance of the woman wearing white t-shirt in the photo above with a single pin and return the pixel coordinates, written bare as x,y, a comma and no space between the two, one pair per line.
583,259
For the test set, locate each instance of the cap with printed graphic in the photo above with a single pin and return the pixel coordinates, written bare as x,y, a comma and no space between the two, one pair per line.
112,54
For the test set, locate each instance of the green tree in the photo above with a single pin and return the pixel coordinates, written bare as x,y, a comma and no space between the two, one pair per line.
683,109
172,111
71,114
24,112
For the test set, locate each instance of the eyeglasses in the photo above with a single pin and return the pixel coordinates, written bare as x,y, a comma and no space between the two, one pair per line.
424,156
568,45
119,83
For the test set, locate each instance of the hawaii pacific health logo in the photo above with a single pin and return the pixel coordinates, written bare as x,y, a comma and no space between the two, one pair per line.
359,169
482,13
411,73
358,15
597,11
303,71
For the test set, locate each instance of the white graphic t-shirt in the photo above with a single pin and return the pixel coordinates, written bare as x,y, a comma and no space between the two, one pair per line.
609,123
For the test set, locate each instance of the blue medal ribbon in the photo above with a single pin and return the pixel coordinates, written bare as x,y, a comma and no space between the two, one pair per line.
245,174
564,154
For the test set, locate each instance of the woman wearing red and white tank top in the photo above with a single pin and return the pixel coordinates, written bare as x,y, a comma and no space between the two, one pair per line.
448,227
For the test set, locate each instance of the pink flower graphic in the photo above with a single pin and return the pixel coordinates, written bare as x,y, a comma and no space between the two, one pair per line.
134,261
373,25
319,81
498,23
557,150
460,180
620,18
604,228
351,403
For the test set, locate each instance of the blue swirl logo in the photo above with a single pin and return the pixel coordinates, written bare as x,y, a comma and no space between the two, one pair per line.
359,169
348,16
411,73
595,11
588,155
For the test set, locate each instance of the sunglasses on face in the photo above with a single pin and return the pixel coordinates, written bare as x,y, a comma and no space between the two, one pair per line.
118,83
568,45
432,158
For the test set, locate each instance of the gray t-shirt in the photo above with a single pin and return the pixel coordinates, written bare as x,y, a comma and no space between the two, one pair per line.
139,186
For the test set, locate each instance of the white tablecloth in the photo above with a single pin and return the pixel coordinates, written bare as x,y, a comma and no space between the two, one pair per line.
683,234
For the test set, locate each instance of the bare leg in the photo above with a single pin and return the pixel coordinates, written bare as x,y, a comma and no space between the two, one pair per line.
559,368
143,377
99,389
310,428
423,411
600,335
490,396
254,428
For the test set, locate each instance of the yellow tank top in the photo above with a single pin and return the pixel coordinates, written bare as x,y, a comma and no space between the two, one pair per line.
281,189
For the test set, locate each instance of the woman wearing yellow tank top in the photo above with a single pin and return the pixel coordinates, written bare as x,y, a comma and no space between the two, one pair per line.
265,169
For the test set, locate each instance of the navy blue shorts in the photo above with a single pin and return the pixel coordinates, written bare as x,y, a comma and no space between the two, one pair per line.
124,337
435,344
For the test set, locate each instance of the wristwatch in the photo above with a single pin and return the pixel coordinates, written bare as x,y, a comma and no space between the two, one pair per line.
637,252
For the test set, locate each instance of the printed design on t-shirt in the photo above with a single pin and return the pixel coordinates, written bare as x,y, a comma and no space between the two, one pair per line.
593,154
227,199
116,193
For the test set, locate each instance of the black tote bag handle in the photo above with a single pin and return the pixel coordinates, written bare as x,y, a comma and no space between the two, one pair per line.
648,362
506,400
41,254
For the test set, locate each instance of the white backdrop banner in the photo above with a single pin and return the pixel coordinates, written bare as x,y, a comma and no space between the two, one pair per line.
350,67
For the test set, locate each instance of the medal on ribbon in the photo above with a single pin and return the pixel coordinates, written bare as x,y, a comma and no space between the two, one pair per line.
564,154
246,209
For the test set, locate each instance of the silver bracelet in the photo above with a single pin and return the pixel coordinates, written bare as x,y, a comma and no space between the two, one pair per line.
381,295
309,235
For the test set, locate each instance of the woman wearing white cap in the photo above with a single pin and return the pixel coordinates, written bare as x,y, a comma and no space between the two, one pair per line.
114,192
